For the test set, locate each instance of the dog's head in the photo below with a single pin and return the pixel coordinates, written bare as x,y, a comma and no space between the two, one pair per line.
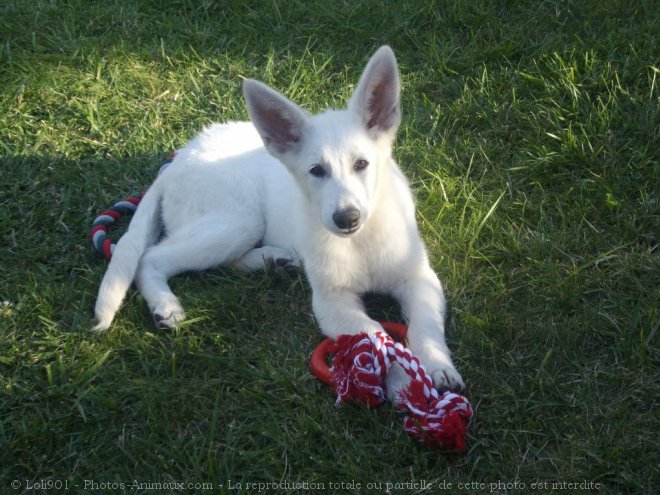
337,156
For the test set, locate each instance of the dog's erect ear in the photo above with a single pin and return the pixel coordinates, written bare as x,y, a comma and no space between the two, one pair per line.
377,97
279,121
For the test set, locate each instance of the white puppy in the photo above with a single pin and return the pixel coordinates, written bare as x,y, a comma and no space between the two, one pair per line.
289,188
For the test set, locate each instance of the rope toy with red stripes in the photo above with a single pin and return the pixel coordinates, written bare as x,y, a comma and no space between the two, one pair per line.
105,220
360,366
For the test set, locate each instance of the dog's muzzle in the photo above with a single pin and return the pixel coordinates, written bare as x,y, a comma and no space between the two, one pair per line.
347,220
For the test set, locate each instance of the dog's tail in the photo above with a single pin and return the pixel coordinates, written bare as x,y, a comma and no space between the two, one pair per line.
143,231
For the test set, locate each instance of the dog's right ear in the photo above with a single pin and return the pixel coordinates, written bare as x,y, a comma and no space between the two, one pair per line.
280,122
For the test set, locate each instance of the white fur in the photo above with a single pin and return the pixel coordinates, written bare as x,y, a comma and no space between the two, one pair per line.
242,194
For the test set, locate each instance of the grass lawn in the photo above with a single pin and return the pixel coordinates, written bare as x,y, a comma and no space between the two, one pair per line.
531,135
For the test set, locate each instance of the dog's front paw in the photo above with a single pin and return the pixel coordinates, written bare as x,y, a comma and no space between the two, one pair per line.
438,364
447,378
168,314
436,359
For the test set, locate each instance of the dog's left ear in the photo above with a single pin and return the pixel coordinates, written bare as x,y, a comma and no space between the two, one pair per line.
377,98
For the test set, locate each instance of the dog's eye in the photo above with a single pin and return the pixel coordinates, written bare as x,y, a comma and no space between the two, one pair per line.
361,164
317,170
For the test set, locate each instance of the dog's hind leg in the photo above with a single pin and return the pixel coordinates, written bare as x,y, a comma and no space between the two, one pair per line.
204,244
268,257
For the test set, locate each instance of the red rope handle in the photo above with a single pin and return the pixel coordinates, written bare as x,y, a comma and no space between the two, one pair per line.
318,361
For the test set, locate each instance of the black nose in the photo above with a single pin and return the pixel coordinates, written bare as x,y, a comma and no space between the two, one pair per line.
347,219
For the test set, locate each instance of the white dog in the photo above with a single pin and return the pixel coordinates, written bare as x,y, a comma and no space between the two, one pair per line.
289,188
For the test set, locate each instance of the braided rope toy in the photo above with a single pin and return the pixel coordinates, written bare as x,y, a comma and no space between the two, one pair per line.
359,369
107,218
99,234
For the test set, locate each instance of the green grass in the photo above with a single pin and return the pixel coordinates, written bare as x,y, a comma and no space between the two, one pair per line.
531,137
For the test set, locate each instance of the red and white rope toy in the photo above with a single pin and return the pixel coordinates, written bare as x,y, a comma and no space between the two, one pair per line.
359,369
